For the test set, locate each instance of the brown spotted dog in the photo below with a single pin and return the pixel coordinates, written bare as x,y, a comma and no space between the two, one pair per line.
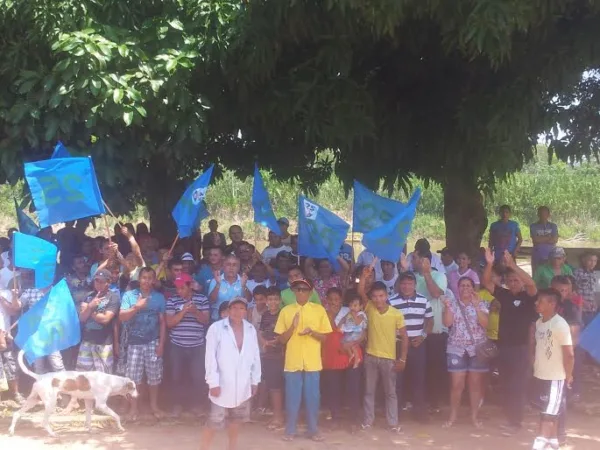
88,386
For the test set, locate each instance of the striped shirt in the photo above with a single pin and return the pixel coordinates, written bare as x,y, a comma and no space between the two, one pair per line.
415,310
189,332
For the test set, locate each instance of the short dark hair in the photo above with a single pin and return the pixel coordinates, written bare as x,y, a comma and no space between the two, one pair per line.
552,294
504,208
561,279
273,291
461,279
378,286
173,262
424,254
296,267
543,208
147,269
350,296
223,306
260,290
334,290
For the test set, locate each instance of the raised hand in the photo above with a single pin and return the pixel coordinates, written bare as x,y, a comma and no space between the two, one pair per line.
217,276
508,259
489,256
426,265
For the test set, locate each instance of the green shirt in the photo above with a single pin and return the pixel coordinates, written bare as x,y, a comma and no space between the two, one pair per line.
288,297
544,274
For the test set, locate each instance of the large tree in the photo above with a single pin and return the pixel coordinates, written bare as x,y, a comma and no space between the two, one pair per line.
454,92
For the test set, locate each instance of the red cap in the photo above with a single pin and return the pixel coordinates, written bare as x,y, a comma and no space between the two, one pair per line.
182,279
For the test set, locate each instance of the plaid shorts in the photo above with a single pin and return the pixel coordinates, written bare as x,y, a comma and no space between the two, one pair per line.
142,358
95,357
219,415
7,361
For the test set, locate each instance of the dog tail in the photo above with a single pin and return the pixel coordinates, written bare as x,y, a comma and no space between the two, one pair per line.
24,367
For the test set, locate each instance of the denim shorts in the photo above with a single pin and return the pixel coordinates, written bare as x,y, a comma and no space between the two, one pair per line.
465,363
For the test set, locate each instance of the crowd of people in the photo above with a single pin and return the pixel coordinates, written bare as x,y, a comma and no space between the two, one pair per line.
213,326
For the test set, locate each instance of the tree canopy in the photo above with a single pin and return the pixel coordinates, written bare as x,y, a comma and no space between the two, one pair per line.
454,92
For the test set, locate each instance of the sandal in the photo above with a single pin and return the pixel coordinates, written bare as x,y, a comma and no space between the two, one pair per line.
317,437
288,437
478,424
275,426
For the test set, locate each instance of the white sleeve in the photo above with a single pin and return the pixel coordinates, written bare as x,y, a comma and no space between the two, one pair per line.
210,360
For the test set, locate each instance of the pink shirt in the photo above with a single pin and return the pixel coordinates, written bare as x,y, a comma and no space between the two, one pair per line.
322,286
455,276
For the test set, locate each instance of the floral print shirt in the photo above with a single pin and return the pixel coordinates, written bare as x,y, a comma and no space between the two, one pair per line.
459,339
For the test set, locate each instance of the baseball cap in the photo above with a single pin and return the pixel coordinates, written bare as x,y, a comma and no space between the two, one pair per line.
235,300
407,276
558,252
283,220
187,257
301,282
103,274
182,279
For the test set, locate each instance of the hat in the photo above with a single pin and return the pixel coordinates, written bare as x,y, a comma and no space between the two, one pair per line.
558,252
187,257
182,279
283,220
302,281
103,274
235,300
407,276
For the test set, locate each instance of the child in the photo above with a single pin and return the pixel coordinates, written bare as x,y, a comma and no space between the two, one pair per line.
258,307
258,276
389,276
272,357
585,284
354,327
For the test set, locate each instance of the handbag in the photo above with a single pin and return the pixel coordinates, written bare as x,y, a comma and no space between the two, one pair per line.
484,351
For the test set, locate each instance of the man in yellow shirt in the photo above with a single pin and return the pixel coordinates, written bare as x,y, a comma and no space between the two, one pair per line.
302,327
385,323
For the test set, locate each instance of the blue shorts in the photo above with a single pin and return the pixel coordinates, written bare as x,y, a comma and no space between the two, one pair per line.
465,363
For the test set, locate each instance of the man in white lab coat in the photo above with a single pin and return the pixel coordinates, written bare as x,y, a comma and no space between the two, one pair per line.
232,372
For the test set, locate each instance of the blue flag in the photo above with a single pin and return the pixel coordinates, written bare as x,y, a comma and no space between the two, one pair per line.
26,224
590,338
387,241
60,151
51,325
320,232
31,252
263,211
371,210
191,209
64,189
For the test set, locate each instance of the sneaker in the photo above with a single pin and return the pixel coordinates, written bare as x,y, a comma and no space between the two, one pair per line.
365,427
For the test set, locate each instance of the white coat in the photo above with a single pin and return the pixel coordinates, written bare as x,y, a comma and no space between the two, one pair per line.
234,371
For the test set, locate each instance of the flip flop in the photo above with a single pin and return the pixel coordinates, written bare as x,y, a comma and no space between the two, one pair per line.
448,424
288,437
317,437
275,426
478,424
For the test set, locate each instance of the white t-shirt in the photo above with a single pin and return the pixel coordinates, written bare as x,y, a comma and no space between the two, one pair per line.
4,316
390,284
270,253
550,337
251,284
451,267
6,276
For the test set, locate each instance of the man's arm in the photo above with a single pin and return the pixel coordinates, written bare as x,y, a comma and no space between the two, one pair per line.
213,296
162,334
486,277
135,248
434,290
568,362
103,318
87,309
285,336
129,310
531,344
530,286
210,359
428,325
519,241
401,361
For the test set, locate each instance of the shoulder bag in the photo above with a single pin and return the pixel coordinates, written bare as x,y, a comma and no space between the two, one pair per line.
486,350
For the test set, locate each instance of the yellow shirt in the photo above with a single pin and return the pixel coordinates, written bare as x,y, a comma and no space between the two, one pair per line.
493,316
162,276
381,331
303,353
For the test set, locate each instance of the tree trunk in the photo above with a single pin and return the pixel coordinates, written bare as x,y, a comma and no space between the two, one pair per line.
162,193
465,216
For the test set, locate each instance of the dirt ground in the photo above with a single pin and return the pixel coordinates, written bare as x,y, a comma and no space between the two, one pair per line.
583,434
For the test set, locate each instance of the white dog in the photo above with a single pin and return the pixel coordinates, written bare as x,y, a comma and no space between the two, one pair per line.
88,386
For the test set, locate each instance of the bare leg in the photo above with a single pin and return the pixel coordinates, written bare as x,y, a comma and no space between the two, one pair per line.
133,405
102,406
277,405
475,382
207,437
457,382
29,403
233,432
154,401
89,406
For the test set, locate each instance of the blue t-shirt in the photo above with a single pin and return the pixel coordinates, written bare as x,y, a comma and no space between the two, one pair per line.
346,253
203,277
227,291
504,237
144,327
